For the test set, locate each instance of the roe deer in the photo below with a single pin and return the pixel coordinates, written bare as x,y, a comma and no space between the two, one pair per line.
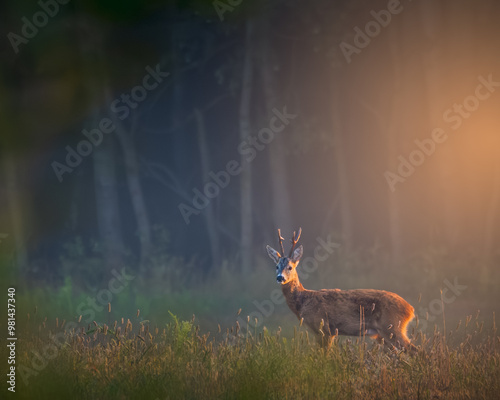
378,314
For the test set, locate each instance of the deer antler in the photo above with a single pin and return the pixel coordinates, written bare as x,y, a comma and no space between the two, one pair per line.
280,238
294,242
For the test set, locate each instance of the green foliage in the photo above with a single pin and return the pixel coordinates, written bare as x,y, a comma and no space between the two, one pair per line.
180,331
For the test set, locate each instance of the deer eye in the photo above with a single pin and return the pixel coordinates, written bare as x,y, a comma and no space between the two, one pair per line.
289,268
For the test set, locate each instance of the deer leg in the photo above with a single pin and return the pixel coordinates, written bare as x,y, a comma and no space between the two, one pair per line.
389,339
406,344
324,335
403,342
395,340
324,341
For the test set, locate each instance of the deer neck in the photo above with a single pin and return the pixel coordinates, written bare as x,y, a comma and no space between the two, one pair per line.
292,290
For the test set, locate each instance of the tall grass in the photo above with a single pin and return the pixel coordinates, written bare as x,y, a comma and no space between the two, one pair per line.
135,360
174,357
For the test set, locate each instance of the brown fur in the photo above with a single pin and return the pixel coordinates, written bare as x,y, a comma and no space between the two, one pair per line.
361,312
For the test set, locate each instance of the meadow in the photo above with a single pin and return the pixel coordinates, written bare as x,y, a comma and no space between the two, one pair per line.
133,361
147,344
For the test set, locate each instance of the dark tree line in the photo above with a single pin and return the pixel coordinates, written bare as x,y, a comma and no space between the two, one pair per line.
367,84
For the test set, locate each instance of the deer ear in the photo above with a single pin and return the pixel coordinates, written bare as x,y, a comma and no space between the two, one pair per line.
297,254
275,256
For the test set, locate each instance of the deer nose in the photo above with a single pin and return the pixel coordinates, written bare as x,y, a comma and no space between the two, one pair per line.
280,278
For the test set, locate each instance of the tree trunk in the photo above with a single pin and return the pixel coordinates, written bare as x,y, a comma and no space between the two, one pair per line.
280,210
392,150
16,208
136,193
435,67
107,206
246,173
92,40
16,214
340,163
209,213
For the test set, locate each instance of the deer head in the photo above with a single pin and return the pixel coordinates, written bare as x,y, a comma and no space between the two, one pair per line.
285,266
